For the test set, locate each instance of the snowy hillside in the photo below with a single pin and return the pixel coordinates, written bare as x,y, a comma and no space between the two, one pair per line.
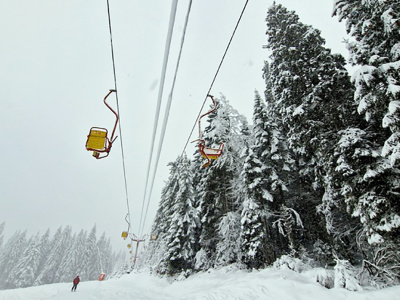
222,284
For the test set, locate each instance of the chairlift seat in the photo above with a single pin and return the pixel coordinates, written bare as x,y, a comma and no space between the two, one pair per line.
211,153
97,139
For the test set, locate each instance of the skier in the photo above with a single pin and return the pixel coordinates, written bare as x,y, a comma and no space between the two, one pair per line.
76,281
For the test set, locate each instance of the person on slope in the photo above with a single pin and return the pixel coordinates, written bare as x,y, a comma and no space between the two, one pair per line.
76,281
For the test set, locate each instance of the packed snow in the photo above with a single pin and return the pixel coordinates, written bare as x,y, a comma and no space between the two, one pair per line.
225,283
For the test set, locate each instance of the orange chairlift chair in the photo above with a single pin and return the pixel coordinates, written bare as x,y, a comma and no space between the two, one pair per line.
97,140
206,152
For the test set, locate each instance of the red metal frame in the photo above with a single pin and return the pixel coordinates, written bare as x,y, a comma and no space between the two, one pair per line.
109,141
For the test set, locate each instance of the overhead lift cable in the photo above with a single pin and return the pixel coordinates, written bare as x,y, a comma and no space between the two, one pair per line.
167,110
160,92
128,216
215,76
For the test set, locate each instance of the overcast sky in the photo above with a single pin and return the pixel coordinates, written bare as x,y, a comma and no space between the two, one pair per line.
55,69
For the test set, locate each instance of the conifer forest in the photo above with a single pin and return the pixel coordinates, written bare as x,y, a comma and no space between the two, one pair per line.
316,177
313,179
54,257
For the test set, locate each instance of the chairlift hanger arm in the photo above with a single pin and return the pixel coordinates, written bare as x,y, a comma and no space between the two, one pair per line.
112,139
214,109
207,113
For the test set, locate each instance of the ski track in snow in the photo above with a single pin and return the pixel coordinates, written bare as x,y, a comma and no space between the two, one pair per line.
220,284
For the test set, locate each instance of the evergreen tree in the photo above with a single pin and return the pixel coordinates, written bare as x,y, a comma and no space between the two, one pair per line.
105,254
11,254
57,248
120,264
216,191
42,261
228,248
369,186
210,214
345,276
261,175
162,223
156,248
313,101
375,28
280,167
88,265
72,259
309,86
25,271
176,222
370,156
254,235
181,237
44,250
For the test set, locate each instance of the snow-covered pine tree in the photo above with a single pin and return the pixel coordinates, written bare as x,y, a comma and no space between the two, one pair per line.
369,155
181,240
162,222
228,248
375,48
26,269
44,252
271,149
229,228
295,54
95,266
67,239
346,276
155,249
191,222
254,236
10,254
369,186
216,190
58,247
106,255
278,159
210,214
89,262
120,264
312,99
340,225
41,261
71,261
261,176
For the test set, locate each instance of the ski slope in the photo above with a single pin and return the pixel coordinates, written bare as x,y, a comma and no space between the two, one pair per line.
215,285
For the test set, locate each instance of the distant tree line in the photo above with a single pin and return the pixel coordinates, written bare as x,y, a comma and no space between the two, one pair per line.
43,259
316,176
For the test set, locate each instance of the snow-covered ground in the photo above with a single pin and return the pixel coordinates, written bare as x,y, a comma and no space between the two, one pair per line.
229,284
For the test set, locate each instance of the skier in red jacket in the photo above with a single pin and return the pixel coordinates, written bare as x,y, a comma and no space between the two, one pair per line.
76,281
